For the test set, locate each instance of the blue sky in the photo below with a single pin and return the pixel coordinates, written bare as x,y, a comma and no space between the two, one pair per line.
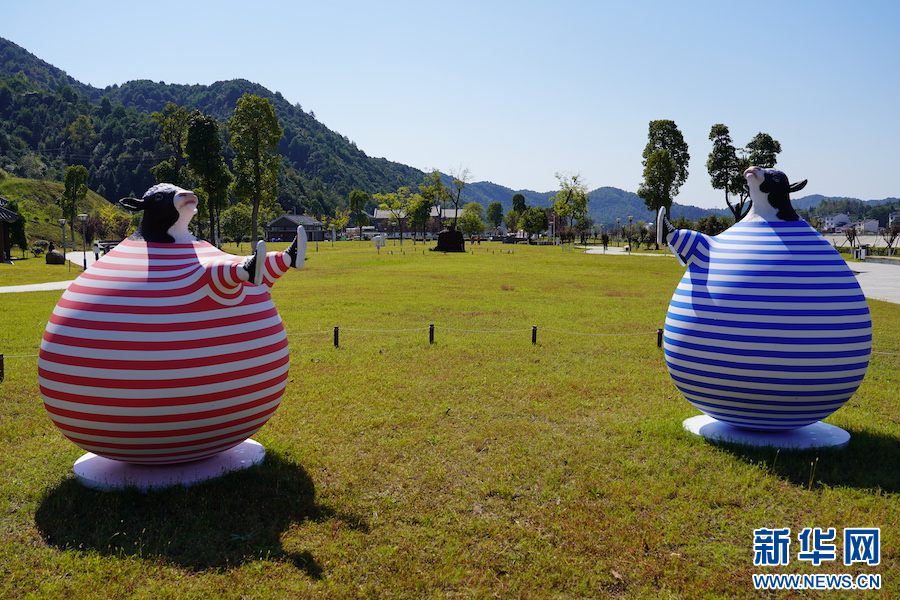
518,91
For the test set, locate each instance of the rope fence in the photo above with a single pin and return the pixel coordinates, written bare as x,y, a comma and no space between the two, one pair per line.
431,330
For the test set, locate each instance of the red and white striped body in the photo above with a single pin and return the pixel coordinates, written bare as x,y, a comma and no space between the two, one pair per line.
159,353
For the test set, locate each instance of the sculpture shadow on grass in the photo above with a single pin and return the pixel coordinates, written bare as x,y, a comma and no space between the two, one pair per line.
868,462
217,524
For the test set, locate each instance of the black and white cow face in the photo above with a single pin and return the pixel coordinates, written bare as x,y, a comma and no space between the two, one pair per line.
168,209
770,192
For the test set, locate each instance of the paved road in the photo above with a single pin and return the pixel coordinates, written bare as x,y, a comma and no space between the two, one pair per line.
878,281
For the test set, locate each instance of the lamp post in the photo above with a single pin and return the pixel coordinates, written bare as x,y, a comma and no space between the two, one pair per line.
619,227
630,233
83,217
62,226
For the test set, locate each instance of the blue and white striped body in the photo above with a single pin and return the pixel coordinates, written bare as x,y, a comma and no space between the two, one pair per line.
768,329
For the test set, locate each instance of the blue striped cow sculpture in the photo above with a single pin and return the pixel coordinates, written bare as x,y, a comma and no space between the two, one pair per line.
768,329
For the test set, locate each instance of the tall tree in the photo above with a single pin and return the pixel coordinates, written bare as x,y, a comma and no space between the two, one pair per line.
762,151
433,189
571,200
665,163
173,122
204,158
75,190
494,214
460,180
357,201
518,203
255,134
726,170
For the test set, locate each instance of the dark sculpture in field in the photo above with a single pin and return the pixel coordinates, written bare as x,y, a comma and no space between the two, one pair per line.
450,240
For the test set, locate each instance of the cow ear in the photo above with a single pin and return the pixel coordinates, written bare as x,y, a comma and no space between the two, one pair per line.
796,187
132,204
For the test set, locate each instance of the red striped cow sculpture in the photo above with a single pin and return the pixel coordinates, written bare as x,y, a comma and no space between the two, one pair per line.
167,350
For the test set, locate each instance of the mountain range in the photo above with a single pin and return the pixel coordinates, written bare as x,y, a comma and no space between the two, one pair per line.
41,102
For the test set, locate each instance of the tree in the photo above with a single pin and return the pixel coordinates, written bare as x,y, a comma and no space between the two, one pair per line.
236,221
75,191
173,121
713,225
419,213
434,192
81,136
583,225
726,170
511,220
471,223
255,134
495,214
850,233
665,163
763,150
889,235
433,188
398,204
204,158
339,221
571,200
357,200
534,220
460,180
518,203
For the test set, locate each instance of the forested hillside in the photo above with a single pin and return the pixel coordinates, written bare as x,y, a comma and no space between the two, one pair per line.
49,121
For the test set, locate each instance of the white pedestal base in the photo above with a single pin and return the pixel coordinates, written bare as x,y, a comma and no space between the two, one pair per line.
817,435
105,474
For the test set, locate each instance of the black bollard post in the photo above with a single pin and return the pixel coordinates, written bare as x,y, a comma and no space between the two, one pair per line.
534,334
431,333
659,337
337,336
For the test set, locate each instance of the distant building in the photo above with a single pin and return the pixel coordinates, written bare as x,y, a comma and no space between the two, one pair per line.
832,222
864,226
893,218
381,218
284,228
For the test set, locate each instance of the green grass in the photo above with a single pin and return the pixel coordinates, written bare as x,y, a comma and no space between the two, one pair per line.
479,466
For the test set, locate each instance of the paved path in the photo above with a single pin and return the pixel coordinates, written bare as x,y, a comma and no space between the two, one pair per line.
878,281
77,260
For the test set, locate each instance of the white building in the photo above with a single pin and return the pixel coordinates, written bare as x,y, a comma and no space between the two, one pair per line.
865,226
832,222
893,218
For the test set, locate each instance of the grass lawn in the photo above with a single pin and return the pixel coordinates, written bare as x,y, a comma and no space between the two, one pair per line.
479,466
